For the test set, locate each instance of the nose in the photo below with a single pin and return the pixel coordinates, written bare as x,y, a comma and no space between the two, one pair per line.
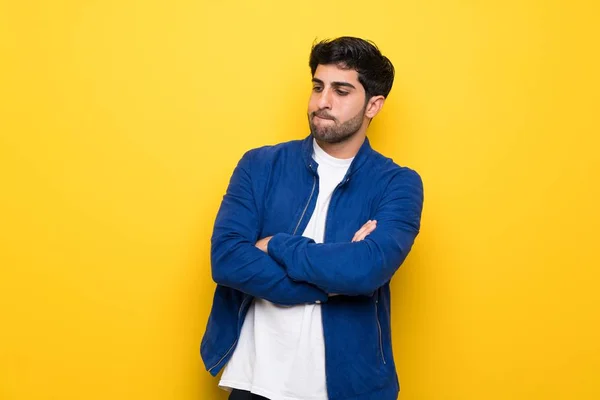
324,100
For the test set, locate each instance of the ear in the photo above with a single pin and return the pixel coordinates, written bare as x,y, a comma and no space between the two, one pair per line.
374,106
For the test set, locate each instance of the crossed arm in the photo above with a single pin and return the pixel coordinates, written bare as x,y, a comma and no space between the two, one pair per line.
236,262
362,233
290,269
362,266
271,282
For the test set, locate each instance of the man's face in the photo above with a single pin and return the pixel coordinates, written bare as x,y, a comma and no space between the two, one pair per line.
336,108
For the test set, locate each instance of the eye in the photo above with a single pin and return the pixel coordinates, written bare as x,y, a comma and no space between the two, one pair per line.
341,93
317,89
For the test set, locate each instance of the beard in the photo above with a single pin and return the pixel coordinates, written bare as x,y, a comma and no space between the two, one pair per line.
336,132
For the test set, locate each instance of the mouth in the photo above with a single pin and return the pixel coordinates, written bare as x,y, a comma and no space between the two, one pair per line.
323,117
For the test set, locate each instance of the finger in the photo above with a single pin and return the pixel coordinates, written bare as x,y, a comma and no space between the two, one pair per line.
364,231
363,235
358,232
369,229
361,230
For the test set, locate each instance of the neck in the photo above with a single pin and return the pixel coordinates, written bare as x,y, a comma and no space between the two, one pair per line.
345,149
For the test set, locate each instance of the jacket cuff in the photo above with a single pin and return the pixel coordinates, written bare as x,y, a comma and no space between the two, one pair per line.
282,247
276,247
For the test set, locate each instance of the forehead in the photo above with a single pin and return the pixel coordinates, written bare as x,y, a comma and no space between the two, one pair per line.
329,73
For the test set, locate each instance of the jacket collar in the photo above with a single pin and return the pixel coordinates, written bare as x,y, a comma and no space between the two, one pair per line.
361,157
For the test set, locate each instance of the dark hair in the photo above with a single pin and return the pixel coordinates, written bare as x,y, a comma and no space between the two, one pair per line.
375,71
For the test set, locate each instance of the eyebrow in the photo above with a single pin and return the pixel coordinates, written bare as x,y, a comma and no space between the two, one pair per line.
335,84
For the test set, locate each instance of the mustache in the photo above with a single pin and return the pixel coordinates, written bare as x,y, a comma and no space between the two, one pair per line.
321,114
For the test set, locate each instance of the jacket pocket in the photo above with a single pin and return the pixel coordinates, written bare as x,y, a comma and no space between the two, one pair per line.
379,326
239,326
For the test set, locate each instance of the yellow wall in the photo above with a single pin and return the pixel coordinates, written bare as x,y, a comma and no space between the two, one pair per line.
120,124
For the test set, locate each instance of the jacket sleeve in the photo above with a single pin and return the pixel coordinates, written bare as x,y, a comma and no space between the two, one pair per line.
236,262
359,268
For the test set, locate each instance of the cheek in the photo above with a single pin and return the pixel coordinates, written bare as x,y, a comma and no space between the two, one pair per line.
349,109
312,104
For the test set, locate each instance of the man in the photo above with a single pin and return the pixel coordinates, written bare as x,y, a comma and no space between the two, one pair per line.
305,243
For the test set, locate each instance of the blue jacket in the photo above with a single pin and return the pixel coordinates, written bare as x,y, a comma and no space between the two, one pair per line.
273,192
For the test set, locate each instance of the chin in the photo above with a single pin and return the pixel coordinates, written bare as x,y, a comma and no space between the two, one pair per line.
330,138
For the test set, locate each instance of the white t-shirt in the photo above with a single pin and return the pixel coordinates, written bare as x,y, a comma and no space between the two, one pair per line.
281,352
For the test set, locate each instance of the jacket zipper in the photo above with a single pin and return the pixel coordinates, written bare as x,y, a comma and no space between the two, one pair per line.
236,340
379,328
307,203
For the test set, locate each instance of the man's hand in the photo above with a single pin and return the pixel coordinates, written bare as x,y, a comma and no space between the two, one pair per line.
263,243
364,231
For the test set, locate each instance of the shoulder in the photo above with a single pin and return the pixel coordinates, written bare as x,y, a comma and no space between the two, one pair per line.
393,173
401,189
266,155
